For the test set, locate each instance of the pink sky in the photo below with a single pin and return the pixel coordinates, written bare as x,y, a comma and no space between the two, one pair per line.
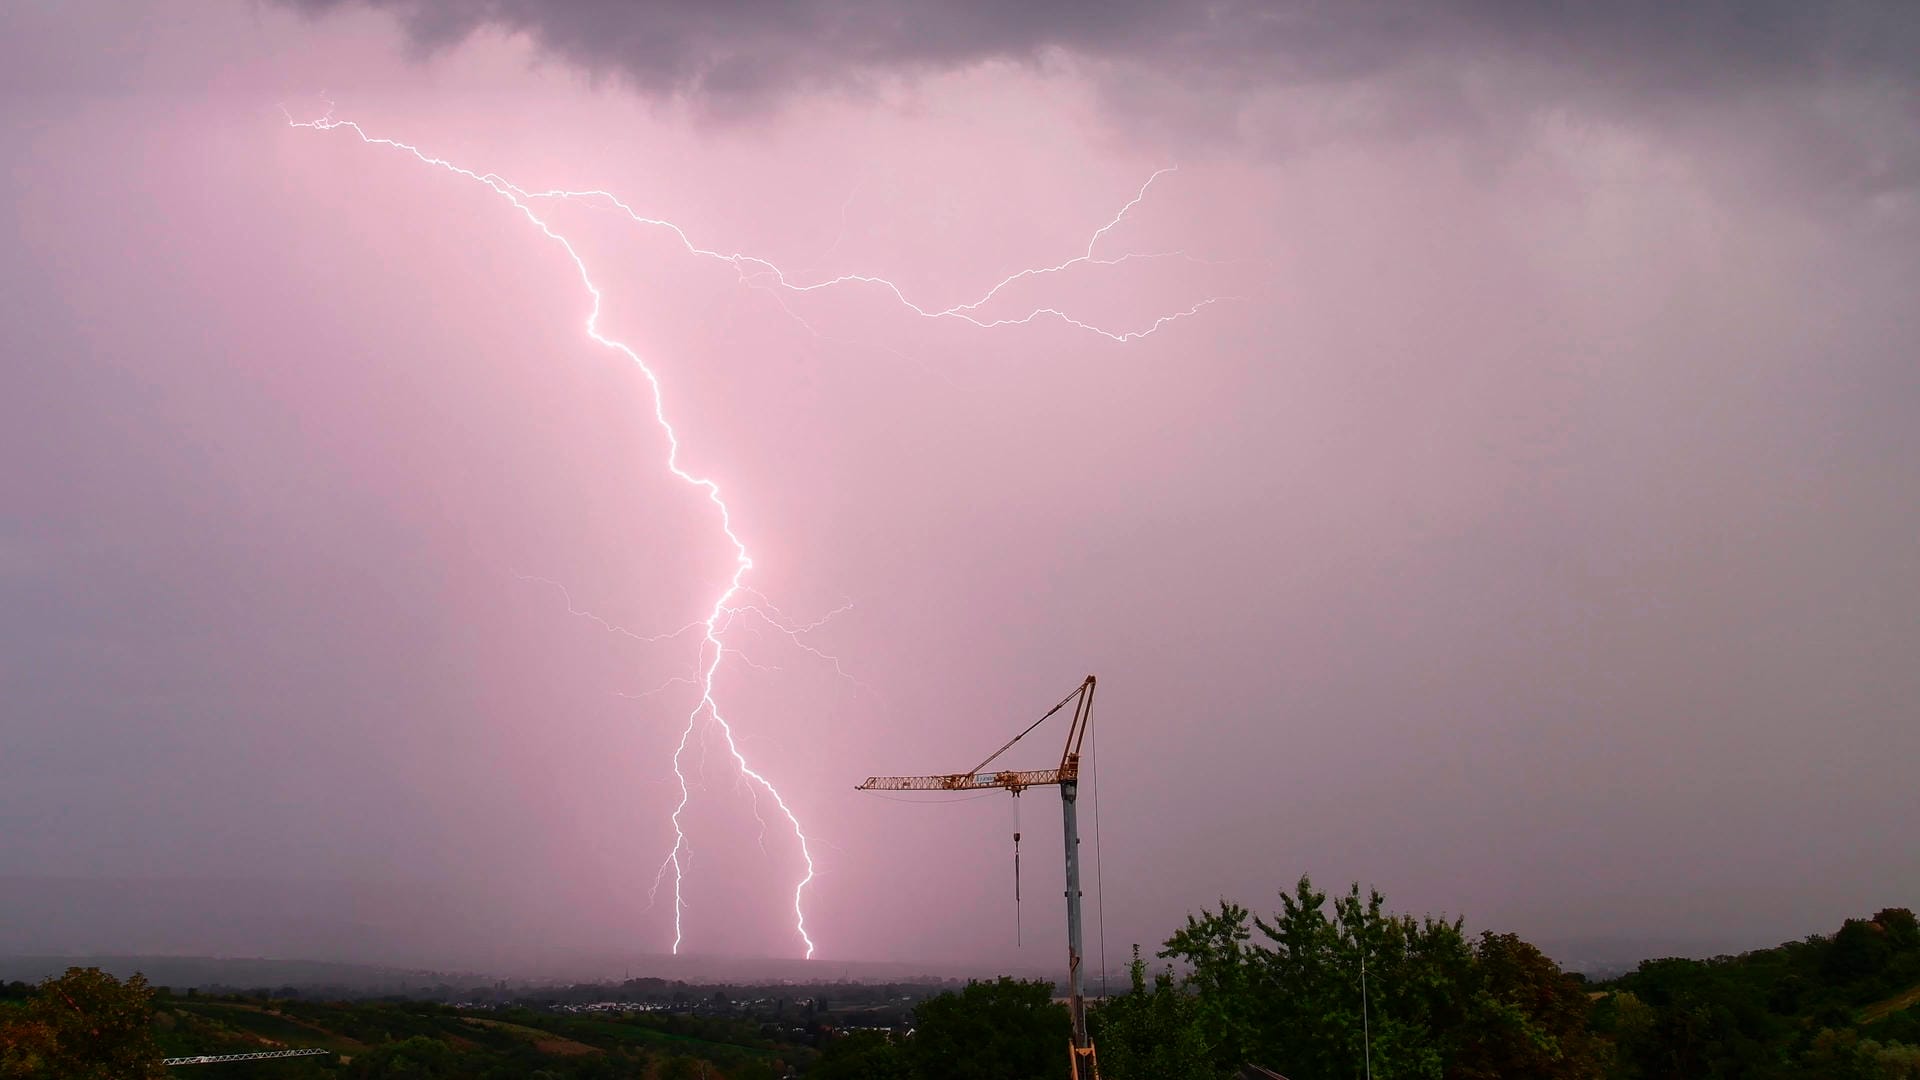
1529,535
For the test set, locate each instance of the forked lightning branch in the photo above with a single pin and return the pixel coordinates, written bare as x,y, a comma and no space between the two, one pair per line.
733,596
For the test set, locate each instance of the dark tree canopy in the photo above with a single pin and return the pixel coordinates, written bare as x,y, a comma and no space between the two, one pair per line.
1009,1029
84,1025
862,1055
1154,1032
1321,989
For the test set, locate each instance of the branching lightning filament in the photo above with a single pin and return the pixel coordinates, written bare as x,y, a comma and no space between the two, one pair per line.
735,599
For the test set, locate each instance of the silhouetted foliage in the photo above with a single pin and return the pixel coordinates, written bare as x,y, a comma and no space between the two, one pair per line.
1288,993
84,1025
1839,1006
1153,1032
862,1055
1526,1017
1008,1029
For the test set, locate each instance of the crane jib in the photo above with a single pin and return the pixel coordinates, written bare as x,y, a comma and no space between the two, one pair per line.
1082,1062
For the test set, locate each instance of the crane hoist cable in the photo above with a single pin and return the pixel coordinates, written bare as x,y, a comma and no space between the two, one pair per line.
1016,869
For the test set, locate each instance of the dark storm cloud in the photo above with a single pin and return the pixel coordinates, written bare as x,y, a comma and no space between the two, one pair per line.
1830,87
768,45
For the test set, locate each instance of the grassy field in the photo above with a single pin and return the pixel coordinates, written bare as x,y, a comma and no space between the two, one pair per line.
1886,1007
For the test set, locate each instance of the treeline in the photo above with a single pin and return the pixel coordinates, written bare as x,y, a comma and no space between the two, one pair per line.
1328,989
1322,989
1839,1006
87,1025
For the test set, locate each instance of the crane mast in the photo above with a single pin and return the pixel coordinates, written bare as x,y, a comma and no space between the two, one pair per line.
1083,1063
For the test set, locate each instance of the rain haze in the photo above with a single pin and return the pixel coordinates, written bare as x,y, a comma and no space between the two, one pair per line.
1492,479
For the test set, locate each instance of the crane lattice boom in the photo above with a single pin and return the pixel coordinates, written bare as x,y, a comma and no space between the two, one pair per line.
260,1055
1015,782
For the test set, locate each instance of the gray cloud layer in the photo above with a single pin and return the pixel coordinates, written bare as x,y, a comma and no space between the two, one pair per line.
1826,84
759,45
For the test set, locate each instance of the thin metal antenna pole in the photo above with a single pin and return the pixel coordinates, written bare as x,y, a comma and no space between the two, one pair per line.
1099,879
1366,1026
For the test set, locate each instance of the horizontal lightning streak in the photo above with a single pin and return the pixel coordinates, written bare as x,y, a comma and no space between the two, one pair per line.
609,627
677,680
765,610
964,312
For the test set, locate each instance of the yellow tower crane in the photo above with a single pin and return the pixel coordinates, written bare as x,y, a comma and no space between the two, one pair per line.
1084,1065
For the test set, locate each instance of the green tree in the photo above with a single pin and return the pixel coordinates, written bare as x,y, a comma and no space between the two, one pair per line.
1153,1034
679,1067
1293,999
1224,975
417,1058
1861,950
862,1055
1526,1018
1700,1020
1008,1029
84,1025
1626,1023
1418,976
1843,1055
1903,929
27,1049
1891,1061
1323,988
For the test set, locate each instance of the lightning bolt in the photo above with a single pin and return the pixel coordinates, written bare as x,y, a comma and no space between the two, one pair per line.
763,273
756,270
